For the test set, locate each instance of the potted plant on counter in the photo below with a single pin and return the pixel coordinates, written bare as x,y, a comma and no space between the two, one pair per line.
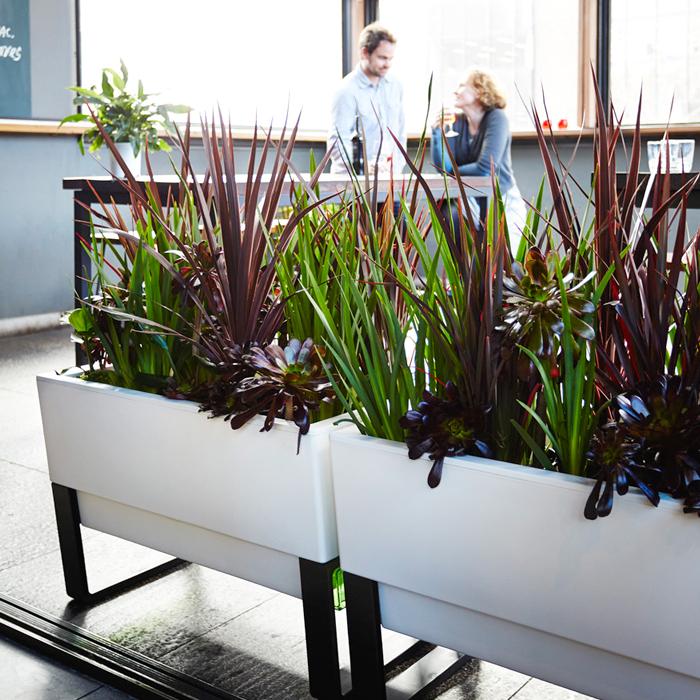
537,385
132,120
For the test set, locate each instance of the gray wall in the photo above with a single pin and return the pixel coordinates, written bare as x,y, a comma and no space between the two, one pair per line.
35,226
36,229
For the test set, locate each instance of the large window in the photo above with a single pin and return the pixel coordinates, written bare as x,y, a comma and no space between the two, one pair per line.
258,58
243,56
655,46
530,46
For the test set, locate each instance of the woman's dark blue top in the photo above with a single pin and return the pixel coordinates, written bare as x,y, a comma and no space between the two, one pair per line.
473,154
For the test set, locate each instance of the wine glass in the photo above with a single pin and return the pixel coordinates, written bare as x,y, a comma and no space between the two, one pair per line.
448,118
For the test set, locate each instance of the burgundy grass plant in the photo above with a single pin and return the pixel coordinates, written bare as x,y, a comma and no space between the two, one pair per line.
226,264
461,365
580,353
647,341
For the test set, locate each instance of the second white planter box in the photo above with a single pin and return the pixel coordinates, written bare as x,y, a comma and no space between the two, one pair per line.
499,562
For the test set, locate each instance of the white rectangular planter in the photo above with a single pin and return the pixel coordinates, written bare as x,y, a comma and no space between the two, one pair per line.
158,472
499,562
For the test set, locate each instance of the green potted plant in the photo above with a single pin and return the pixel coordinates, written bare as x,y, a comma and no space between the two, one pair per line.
132,120
183,317
529,389
578,355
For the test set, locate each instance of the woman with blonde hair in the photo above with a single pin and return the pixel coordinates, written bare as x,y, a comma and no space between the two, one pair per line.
482,137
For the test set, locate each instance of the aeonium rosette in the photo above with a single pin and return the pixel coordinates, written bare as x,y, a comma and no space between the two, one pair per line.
445,427
654,444
287,383
533,305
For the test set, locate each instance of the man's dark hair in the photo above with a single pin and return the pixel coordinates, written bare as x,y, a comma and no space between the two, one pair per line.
373,35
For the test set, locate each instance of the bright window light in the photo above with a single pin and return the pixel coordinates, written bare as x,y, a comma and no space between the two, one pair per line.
248,57
527,45
655,47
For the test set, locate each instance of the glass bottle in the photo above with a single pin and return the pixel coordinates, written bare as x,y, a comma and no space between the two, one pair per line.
358,160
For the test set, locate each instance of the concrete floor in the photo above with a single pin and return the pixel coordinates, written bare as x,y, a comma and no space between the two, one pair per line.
235,635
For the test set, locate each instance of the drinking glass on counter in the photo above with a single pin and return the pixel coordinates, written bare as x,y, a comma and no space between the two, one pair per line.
676,155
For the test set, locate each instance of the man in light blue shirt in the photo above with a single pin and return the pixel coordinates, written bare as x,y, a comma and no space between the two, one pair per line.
369,97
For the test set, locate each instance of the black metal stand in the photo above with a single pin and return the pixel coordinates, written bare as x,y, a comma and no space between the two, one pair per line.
319,624
316,589
73,556
365,636
369,672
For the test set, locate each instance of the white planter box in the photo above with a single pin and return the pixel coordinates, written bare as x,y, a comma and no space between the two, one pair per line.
158,472
499,562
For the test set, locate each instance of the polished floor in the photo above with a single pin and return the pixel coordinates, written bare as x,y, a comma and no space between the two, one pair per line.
235,635
29,676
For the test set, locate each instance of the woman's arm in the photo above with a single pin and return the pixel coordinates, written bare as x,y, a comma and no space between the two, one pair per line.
441,160
493,146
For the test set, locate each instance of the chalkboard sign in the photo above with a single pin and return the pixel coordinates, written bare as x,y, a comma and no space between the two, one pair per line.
15,77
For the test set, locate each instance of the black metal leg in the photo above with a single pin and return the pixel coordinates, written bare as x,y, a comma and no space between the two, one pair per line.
65,503
73,557
319,624
365,637
81,260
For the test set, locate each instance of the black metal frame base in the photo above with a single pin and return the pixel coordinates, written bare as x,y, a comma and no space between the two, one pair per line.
70,541
365,637
319,625
316,589
369,673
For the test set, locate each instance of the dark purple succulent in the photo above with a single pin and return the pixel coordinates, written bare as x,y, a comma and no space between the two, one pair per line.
664,416
215,393
614,463
287,383
654,445
444,428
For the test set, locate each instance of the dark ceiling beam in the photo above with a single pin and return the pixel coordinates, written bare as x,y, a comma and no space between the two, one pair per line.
371,13
347,35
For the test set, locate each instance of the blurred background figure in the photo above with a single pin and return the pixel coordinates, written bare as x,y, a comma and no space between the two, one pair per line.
368,104
477,133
